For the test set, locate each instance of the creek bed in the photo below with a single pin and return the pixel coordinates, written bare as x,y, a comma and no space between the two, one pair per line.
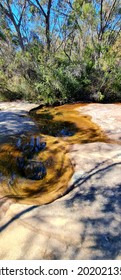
36,168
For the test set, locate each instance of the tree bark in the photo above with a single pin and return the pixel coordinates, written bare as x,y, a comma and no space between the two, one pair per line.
8,12
48,25
47,20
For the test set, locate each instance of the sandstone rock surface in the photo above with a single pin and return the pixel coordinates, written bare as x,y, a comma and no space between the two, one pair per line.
14,119
86,222
107,116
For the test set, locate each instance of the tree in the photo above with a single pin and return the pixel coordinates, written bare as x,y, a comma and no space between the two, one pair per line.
15,13
43,9
109,13
60,50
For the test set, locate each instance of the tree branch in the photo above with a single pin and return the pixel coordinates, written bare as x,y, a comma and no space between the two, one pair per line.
110,12
20,19
4,10
107,18
41,8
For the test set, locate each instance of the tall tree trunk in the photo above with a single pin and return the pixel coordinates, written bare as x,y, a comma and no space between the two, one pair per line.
48,25
47,20
20,38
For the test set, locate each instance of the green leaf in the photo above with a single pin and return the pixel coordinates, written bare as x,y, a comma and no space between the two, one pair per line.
2,36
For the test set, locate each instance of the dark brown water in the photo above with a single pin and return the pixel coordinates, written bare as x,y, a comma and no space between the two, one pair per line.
36,169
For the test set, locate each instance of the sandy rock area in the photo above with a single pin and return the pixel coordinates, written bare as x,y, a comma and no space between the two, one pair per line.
86,222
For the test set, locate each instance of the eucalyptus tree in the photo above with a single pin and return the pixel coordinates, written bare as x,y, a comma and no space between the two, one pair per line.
109,18
49,17
15,13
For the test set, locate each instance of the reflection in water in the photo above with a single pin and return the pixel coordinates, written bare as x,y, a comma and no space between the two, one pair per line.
31,169
65,121
36,169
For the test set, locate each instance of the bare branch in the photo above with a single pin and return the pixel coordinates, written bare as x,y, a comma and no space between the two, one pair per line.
107,18
110,12
20,19
41,8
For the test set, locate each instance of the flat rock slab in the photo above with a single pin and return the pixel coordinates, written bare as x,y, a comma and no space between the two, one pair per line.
107,116
17,106
84,224
14,119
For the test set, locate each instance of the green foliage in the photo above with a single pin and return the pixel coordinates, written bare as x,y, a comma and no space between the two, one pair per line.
2,36
81,61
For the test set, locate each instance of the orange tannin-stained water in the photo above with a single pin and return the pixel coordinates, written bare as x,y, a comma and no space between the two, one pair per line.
36,169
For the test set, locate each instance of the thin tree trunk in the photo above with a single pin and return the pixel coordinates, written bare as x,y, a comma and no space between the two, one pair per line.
8,12
48,25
